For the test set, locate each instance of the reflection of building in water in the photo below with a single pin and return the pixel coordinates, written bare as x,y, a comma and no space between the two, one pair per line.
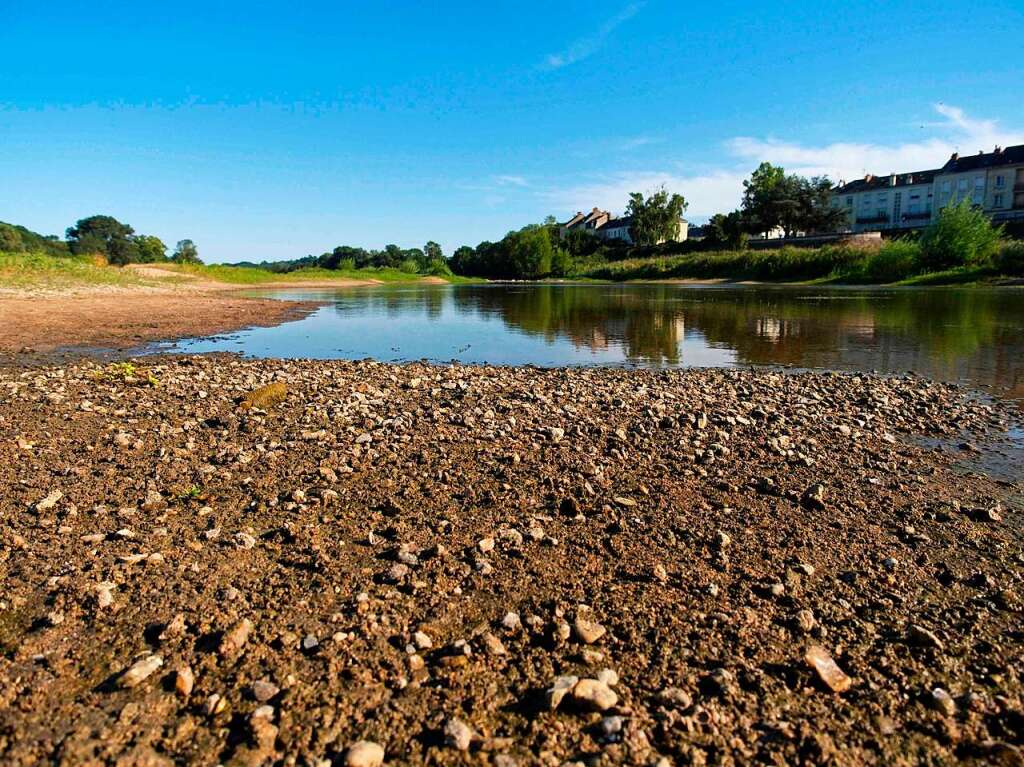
769,328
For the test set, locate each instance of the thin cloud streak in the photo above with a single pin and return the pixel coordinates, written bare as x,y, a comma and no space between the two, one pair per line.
585,47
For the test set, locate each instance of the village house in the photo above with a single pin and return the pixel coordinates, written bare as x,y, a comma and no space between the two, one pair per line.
994,181
605,226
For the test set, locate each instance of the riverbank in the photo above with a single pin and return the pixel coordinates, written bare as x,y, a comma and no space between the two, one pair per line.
74,303
414,555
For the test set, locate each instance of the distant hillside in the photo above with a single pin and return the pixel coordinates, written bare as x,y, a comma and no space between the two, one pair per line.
18,239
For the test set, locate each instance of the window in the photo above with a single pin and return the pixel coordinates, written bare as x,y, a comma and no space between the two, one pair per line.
849,202
1000,182
945,187
961,185
997,200
979,188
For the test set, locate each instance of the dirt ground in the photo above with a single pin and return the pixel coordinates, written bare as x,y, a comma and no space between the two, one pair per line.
500,566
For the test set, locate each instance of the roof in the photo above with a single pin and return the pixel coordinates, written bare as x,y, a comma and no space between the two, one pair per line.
618,223
869,182
1012,155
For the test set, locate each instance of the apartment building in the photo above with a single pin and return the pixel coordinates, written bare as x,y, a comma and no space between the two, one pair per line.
993,180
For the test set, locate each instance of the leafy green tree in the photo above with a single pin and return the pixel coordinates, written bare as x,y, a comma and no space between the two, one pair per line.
464,260
104,235
10,239
726,231
961,235
761,194
186,252
151,249
530,252
655,219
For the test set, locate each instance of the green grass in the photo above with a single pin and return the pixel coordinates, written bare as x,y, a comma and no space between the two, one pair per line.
39,270
236,275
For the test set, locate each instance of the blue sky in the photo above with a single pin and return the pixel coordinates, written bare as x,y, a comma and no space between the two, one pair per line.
263,131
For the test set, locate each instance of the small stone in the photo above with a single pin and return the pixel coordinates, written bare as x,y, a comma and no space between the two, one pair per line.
659,573
184,681
609,676
814,496
244,540
51,500
397,573
511,621
563,686
722,539
141,670
594,695
174,628
942,701
235,638
922,637
364,753
105,594
422,641
493,645
458,734
588,632
805,621
675,697
611,725
310,642
485,545
263,690
821,661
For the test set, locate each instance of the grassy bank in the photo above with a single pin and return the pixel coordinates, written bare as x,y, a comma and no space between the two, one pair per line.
894,262
41,270
50,272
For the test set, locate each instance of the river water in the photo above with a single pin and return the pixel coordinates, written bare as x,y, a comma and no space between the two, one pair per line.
970,335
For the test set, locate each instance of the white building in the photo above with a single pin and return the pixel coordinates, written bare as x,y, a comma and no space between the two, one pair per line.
994,181
602,224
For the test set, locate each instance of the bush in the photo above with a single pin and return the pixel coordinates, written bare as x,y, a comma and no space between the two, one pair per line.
961,236
895,260
409,266
1011,258
346,265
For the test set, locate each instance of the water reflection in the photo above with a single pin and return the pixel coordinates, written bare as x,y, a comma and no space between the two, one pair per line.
952,334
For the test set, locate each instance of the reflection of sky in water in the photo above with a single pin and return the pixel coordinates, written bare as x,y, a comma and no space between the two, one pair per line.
352,327
973,335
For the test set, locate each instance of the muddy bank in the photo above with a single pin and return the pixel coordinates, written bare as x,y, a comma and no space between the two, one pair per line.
500,566
30,327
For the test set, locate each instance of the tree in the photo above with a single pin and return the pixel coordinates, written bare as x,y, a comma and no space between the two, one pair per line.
726,231
761,195
655,219
186,252
104,235
10,239
961,235
151,249
433,251
793,203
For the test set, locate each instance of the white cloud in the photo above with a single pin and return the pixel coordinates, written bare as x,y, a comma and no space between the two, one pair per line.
587,46
511,181
720,190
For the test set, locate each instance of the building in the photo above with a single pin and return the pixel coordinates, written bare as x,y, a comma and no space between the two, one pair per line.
605,226
994,181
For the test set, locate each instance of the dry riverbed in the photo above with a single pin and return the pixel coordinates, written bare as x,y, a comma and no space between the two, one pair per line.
452,565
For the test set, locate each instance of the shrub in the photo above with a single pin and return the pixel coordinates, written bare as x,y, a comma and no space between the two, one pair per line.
895,260
409,266
1011,258
961,236
347,264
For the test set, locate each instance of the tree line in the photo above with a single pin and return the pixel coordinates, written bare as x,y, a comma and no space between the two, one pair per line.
429,259
103,236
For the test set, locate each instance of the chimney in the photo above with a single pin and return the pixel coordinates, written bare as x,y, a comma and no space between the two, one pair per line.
892,179
868,177
955,156
998,150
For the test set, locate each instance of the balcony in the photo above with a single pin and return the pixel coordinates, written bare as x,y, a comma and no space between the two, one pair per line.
879,219
1019,186
916,216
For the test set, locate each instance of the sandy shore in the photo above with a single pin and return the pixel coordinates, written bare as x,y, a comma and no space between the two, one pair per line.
501,566
38,321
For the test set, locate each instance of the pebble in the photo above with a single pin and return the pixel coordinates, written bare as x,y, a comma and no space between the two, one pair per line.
828,670
942,701
396,573
51,500
141,670
594,695
562,686
922,637
588,632
263,690
235,638
364,753
511,621
458,734
184,681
